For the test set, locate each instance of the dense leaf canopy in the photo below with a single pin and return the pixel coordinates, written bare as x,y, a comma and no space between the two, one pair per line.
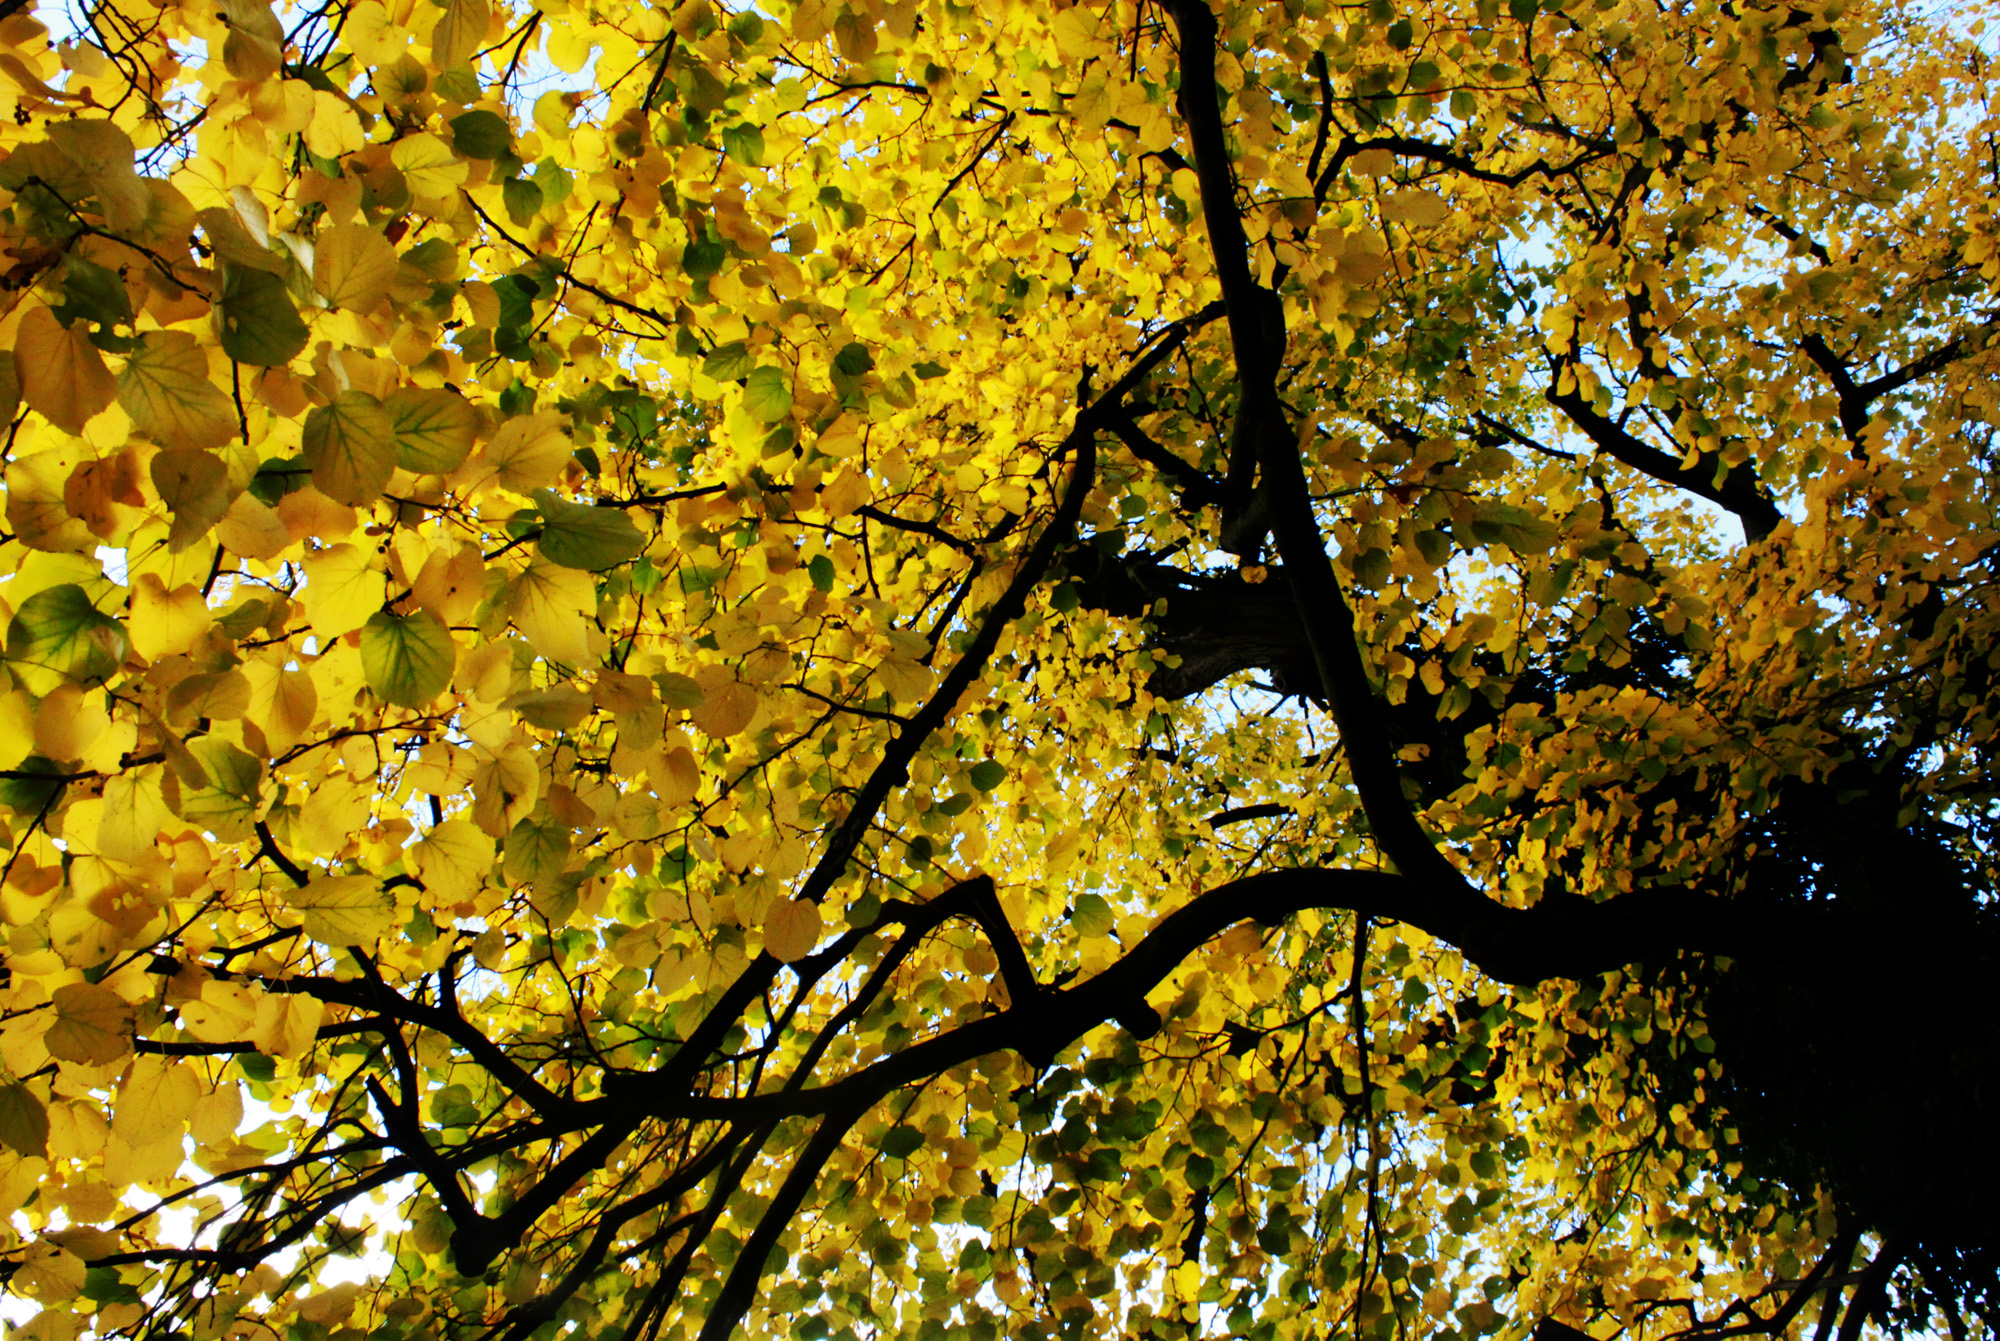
855,669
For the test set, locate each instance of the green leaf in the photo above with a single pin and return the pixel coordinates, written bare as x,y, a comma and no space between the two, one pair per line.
59,635
745,144
679,691
407,659
537,850
231,771
554,179
853,359
24,1122
900,1142
481,134
821,569
988,774
1093,916
103,1285
92,293
928,370
433,429
517,300
767,394
576,535
729,363
350,447
702,259
1515,527
36,784
522,198
255,318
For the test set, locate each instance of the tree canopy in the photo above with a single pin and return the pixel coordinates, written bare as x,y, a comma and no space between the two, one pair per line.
860,670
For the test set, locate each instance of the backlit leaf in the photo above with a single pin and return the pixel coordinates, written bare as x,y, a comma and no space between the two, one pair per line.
354,266
165,387
344,909
255,318
576,535
408,659
350,446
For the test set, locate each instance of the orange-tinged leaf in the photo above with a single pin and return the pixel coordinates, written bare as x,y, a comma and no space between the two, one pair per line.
63,377
92,1025
726,708
792,928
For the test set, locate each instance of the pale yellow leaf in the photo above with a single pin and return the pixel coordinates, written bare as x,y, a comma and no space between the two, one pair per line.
157,1097
547,603
428,165
343,588
453,860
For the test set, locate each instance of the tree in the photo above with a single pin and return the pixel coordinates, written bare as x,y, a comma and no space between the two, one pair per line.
857,669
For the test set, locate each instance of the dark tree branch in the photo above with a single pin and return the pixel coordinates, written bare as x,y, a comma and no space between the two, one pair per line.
1731,488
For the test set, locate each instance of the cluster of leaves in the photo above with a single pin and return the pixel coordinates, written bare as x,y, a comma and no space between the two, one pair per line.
856,668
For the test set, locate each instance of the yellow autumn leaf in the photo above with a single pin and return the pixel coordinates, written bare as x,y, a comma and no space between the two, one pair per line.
354,266
428,165
453,859
283,703
349,445
335,129
134,814
548,603
525,453
344,909
165,623
69,719
343,588
155,1100
286,1024
460,30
